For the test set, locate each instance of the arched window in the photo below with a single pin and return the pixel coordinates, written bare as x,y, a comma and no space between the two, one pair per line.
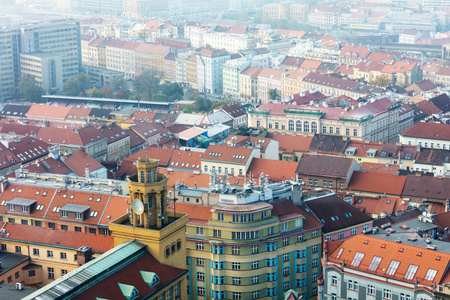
298,125
291,125
313,127
306,126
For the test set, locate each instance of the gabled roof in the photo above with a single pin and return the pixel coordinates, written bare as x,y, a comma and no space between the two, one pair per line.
329,166
48,165
47,236
290,144
65,136
292,61
78,113
335,213
234,111
330,81
195,212
177,177
152,49
398,67
252,71
377,183
271,73
226,154
442,102
28,148
379,168
79,160
424,85
188,161
406,255
429,156
310,64
113,133
48,111
285,210
275,170
361,52
371,206
12,110
328,144
424,130
362,147
426,187
19,129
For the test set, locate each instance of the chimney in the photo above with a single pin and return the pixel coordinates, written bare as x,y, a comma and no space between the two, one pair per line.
84,255
86,173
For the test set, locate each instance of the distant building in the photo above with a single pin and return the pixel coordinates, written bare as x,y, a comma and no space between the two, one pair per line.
46,68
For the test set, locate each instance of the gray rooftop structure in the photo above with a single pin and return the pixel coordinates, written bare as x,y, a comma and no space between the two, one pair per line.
21,201
75,208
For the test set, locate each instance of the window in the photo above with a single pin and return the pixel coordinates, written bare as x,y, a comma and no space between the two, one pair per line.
200,261
63,272
235,250
430,275
77,229
291,125
255,249
51,225
333,297
405,297
314,277
315,262
375,263
200,291
270,230
199,246
285,241
168,294
355,132
264,214
18,249
328,237
334,280
35,251
17,275
64,227
285,271
284,226
51,273
352,285
176,290
315,233
371,289
219,216
201,276
255,279
236,295
353,231
324,129
217,233
298,126
255,294
78,216
300,238
63,255
285,256
75,257
285,286
392,267
387,294
9,279
412,269
341,234
31,273
306,126
49,253
199,230
255,265
236,280
64,214
347,131
93,230
235,266
366,227
24,222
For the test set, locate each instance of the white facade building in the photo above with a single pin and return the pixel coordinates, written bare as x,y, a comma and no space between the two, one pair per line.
211,61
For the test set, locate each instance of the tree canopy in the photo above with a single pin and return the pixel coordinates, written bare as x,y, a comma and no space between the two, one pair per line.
29,89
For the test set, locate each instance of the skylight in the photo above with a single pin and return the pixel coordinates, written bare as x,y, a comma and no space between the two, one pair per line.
357,259
340,253
375,263
392,267
430,274
412,269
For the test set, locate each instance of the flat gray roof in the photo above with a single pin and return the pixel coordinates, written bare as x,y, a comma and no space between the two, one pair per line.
21,201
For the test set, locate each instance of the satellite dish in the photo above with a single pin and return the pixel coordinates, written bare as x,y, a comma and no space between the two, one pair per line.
137,206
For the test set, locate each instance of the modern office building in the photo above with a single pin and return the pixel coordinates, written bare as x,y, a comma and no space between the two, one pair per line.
45,67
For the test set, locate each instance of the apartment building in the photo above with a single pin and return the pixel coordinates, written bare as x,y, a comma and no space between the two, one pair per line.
291,82
150,57
376,121
210,68
248,84
427,135
291,11
191,71
222,40
231,75
269,79
324,16
46,68
9,70
120,56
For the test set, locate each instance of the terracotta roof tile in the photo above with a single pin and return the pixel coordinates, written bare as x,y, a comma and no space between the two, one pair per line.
79,160
78,113
48,111
188,161
426,187
377,183
331,166
379,168
44,235
428,131
271,73
28,149
252,71
20,130
175,177
198,212
275,170
290,144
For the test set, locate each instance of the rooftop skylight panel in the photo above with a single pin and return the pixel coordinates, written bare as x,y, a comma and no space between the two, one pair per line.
357,259
340,253
430,274
412,269
393,266
375,263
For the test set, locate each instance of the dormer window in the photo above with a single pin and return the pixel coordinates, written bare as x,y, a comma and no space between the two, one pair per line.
64,214
11,207
24,209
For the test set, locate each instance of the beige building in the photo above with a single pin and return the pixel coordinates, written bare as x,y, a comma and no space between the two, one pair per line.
376,121
269,79
290,11
45,67
150,57
248,84
191,71
291,83
120,57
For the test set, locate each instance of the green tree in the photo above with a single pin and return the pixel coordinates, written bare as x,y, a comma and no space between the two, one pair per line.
382,81
122,94
75,86
95,93
118,83
173,91
29,89
159,97
106,91
274,94
147,85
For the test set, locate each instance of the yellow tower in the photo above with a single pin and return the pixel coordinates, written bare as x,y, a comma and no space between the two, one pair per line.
148,219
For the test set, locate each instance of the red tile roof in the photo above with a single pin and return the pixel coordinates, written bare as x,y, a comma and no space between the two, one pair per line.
45,235
213,53
48,165
79,160
330,166
18,129
276,170
309,64
377,183
290,144
425,130
378,206
426,187
28,149
363,146
271,73
227,154
153,49
197,212
185,160
117,206
108,288
80,137
379,168
176,177
405,254
48,111
78,113
252,71
143,115
361,52
428,107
